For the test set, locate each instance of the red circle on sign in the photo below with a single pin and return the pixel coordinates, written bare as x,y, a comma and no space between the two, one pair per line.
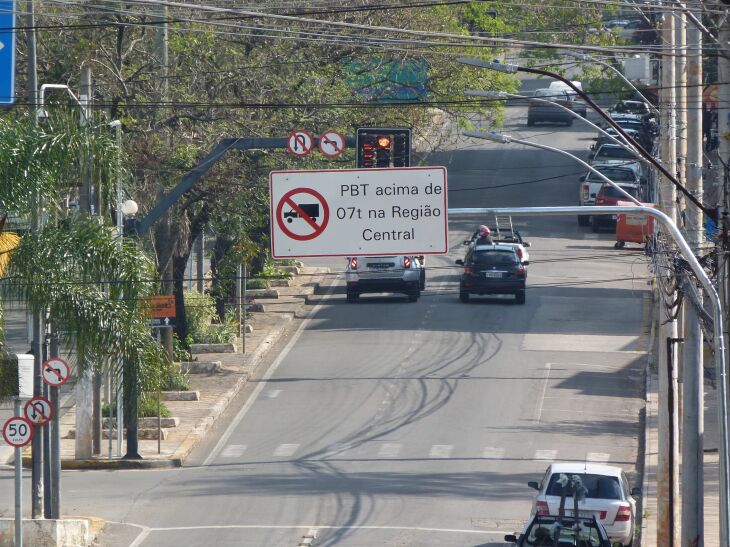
15,438
304,139
332,137
55,372
35,403
317,228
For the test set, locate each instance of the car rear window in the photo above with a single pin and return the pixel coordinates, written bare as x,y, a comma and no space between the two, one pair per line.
616,175
615,152
611,192
599,486
495,258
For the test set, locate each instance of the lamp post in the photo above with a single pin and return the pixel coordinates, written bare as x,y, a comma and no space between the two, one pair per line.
506,139
513,69
588,59
129,209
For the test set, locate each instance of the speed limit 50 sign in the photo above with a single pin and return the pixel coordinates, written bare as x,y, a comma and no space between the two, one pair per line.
359,212
17,432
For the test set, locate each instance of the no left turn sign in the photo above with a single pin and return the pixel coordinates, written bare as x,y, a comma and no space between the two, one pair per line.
17,431
55,372
300,143
302,214
331,144
38,411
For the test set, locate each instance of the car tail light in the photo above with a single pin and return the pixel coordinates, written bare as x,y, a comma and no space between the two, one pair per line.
586,190
468,270
406,262
623,514
519,252
541,508
603,515
353,263
520,271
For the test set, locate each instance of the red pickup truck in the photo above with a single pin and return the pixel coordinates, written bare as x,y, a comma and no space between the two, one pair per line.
608,195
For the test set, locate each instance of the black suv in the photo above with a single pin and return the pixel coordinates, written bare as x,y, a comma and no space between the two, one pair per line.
492,269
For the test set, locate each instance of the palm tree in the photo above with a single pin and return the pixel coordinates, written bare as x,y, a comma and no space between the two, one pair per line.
75,268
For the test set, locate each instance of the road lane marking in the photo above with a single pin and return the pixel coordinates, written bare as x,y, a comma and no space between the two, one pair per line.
545,454
541,398
598,457
285,450
441,451
389,450
307,527
264,379
493,453
234,451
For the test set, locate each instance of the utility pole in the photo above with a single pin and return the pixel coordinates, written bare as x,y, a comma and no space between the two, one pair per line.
723,127
38,330
667,472
84,385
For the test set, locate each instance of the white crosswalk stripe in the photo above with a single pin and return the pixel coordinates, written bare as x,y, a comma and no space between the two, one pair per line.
598,457
441,451
285,450
493,453
234,451
389,450
545,454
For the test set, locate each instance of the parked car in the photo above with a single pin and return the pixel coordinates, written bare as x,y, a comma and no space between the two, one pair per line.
615,154
591,184
578,105
542,111
398,274
602,139
492,269
553,530
609,195
610,497
640,108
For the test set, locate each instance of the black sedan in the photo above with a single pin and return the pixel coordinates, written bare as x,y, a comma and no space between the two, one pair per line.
555,531
492,269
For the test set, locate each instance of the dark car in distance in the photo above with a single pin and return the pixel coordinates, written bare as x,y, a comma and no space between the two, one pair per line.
545,106
492,269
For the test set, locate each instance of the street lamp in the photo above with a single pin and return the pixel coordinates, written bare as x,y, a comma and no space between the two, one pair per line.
508,68
588,59
506,139
505,95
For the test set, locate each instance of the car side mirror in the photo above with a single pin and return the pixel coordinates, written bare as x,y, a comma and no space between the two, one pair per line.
534,484
510,538
582,179
466,242
526,244
525,262
459,262
636,491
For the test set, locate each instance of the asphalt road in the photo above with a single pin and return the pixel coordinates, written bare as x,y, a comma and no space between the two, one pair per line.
395,423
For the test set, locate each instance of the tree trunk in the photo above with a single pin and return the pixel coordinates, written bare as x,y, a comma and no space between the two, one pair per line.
219,290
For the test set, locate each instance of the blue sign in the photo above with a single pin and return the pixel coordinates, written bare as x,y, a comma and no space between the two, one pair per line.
7,52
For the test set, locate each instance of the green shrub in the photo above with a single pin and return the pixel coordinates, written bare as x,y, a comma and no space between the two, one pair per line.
201,314
174,379
179,353
147,408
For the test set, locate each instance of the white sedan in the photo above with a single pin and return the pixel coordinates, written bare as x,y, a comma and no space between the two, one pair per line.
609,497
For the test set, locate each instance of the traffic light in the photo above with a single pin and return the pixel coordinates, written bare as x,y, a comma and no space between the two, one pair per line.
383,147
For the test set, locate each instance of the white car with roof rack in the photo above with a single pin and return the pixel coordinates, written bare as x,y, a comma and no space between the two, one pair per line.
396,274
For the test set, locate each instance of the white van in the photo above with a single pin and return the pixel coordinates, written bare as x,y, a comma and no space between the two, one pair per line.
579,106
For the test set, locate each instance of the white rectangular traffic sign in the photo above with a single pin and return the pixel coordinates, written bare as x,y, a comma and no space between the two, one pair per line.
358,212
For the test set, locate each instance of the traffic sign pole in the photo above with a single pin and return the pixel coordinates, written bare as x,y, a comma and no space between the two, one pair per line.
18,487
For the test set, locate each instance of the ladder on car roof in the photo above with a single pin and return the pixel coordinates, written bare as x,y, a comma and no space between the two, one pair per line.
503,227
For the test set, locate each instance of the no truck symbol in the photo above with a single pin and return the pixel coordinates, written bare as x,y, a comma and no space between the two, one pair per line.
311,218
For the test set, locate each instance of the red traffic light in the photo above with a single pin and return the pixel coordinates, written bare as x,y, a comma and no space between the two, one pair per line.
384,141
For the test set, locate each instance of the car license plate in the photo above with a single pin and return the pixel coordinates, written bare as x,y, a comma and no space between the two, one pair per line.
492,274
581,513
380,265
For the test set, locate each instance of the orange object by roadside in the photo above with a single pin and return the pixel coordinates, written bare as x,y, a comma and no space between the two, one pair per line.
634,228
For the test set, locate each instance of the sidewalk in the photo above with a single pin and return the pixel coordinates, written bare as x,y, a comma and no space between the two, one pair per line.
711,468
269,318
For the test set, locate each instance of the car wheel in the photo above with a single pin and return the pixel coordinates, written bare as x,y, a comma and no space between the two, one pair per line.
595,226
413,296
353,296
520,297
584,220
422,280
464,296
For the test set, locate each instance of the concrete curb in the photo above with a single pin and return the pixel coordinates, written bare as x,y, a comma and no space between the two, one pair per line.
648,528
